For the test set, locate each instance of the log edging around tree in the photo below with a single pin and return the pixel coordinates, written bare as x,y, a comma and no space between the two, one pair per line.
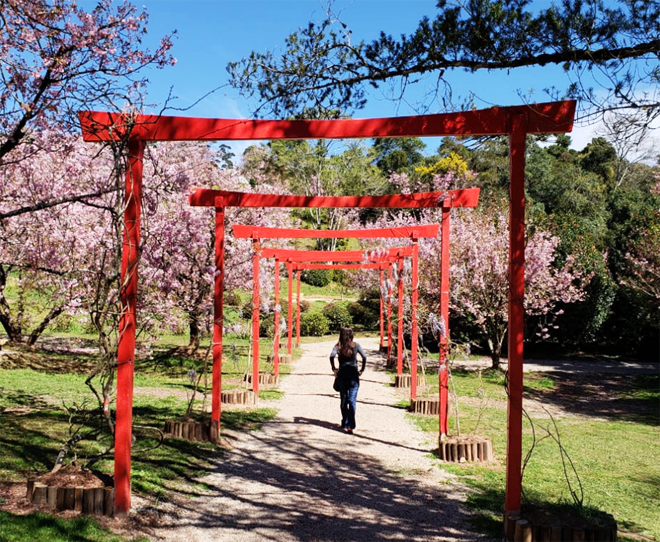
425,405
404,380
521,529
466,449
238,396
267,379
190,430
97,501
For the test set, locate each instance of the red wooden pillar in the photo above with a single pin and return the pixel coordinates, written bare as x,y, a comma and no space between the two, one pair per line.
256,248
127,326
298,309
444,315
382,321
413,316
399,327
218,318
276,337
516,312
389,312
289,267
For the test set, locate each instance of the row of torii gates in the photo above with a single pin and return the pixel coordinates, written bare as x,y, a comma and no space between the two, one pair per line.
381,259
515,122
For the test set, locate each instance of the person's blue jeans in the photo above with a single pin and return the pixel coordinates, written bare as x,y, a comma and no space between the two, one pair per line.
348,406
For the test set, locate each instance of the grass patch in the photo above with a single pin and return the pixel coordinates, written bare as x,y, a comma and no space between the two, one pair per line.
40,527
271,394
618,460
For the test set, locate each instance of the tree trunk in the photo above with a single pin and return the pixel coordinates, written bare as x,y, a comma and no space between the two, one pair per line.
11,327
195,332
37,331
495,347
495,357
495,333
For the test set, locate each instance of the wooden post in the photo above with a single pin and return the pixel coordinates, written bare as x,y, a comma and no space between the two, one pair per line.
289,267
399,327
276,337
516,311
444,315
382,322
256,249
390,277
298,309
127,325
413,312
218,319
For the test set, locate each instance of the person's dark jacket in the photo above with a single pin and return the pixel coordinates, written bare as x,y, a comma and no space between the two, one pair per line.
348,374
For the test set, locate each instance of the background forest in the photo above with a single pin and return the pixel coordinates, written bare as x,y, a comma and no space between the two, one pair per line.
593,222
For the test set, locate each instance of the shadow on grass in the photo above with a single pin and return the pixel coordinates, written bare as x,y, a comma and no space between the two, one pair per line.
612,396
30,442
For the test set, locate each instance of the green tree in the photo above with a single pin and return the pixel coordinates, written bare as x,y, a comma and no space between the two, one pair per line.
398,154
322,66
321,168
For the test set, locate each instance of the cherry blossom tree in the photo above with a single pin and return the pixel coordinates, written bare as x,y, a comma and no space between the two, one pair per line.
479,268
45,250
58,59
179,248
479,277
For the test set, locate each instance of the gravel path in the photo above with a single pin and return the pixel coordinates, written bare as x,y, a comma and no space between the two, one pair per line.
301,479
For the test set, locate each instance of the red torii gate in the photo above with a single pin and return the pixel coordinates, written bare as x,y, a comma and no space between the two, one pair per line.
380,266
514,121
256,233
290,256
293,257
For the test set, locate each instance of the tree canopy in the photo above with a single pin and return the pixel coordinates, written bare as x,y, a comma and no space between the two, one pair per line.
609,52
57,59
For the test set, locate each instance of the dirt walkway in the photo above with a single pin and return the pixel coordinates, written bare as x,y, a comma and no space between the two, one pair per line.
301,479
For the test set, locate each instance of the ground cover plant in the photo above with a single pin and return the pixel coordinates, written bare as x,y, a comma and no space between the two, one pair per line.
608,424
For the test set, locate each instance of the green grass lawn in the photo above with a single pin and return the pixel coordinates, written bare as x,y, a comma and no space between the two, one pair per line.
610,433
616,453
40,527
34,422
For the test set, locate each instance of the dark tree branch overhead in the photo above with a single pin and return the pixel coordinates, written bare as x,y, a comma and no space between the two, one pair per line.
320,68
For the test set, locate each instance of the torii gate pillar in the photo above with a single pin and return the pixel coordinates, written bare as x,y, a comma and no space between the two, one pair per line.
127,326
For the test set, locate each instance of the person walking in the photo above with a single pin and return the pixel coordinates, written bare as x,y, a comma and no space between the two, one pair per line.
347,375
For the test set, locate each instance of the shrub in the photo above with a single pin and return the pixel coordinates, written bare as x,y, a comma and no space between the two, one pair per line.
338,316
246,310
233,298
359,314
313,324
304,305
363,316
267,325
317,277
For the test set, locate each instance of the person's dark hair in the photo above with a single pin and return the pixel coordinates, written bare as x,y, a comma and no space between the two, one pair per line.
346,344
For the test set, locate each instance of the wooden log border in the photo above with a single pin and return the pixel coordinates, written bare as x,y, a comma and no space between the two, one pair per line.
96,501
466,449
520,529
238,396
192,431
425,405
267,379
404,380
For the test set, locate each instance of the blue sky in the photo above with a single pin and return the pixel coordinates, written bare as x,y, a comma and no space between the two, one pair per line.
211,33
